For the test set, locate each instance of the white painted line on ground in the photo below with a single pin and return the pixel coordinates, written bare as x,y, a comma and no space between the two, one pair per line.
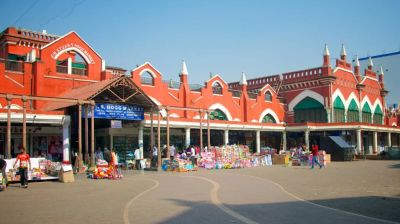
215,200
129,203
315,204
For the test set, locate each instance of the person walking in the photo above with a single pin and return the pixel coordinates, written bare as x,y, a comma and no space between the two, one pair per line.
155,156
314,150
24,161
137,159
172,151
3,165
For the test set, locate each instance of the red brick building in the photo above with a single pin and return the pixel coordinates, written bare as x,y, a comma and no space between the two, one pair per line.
299,106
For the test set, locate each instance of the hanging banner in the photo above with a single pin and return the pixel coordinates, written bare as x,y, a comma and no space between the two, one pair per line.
118,112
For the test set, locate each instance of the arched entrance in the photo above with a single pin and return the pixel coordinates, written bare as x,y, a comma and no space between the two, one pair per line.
309,110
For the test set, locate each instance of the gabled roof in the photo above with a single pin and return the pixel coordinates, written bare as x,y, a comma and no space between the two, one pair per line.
115,90
66,35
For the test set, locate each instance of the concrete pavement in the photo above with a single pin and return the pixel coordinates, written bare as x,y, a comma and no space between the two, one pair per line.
340,193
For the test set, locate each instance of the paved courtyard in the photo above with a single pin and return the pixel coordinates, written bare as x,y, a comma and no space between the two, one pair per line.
342,192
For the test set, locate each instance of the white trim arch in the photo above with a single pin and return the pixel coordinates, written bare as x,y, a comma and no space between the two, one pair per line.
15,107
306,93
269,111
217,81
81,53
364,101
394,124
223,109
149,71
339,94
350,98
376,103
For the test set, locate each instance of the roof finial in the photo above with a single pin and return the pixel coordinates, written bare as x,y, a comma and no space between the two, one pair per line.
184,68
243,81
381,71
370,63
343,51
356,62
326,50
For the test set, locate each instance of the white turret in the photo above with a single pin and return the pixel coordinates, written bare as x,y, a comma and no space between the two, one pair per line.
356,62
370,63
184,68
343,51
243,81
326,50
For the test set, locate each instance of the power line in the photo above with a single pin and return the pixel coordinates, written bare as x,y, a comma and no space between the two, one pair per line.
26,11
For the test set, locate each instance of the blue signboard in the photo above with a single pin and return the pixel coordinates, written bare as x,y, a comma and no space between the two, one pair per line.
118,112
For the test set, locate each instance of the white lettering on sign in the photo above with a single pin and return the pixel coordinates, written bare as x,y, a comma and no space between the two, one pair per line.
73,46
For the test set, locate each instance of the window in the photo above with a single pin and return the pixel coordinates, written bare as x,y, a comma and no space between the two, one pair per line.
218,114
147,78
353,112
366,114
217,88
268,96
78,65
268,119
338,110
378,115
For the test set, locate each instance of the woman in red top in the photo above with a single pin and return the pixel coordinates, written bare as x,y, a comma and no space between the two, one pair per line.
24,161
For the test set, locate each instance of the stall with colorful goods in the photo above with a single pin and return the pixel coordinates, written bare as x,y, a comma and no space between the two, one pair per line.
105,170
41,169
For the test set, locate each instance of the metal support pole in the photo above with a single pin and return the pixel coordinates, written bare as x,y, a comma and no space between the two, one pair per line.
151,130
80,137
389,137
92,137
168,153
159,141
208,131
8,128
24,99
201,130
86,134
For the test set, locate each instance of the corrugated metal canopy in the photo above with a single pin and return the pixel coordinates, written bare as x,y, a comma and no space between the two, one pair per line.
121,90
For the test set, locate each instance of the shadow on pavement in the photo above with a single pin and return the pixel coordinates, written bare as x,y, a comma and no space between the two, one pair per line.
395,166
293,212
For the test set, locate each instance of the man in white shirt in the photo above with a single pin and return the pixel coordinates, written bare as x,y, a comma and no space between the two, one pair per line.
137,159
155,156
172,151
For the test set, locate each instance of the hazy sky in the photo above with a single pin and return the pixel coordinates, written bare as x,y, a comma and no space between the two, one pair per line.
222,37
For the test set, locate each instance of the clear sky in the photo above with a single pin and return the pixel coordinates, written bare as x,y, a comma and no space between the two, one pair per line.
224,37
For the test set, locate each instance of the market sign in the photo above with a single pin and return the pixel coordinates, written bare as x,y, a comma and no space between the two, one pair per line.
118,112
116,124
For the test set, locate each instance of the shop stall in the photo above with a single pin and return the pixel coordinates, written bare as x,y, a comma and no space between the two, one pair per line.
41,169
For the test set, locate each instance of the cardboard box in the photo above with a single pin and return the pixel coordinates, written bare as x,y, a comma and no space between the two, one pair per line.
280,159
66,177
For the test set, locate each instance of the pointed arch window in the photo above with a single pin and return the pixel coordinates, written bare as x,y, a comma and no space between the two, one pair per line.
217,88
338,110
353,112
366,114
147,78
378,115
309,110
268,96
218,114
268,119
